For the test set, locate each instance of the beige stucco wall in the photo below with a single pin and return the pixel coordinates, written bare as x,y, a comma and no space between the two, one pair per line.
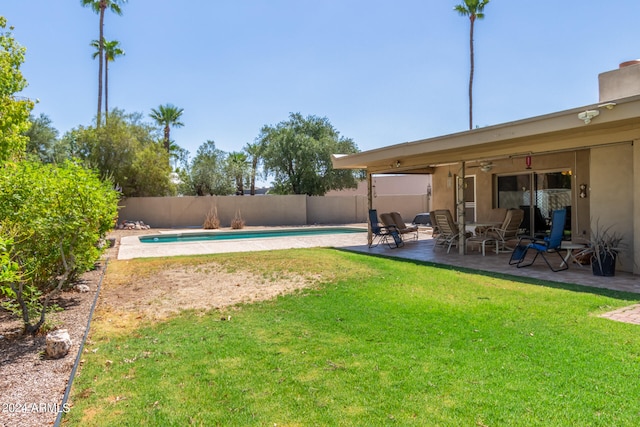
181,212
384,185
612,194
176,212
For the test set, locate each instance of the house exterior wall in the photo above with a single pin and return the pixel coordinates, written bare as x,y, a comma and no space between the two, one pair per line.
612,195
577,162
385,185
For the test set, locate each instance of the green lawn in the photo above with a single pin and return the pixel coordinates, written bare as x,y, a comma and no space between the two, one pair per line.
379,342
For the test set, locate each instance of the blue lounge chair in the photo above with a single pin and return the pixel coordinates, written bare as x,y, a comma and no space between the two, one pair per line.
548,245
382,233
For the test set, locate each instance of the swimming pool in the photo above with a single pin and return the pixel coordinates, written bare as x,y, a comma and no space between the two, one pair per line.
199,236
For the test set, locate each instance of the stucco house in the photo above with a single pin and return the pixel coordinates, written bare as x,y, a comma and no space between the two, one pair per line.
585,159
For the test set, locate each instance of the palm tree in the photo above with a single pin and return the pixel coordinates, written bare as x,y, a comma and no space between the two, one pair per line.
111,51
99,6
254,151
167,115
474,9
237,162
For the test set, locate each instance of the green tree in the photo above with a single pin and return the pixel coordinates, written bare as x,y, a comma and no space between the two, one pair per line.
99,7
166,116
112,50
298,153
113,150
207,174
238,166
43,139
151,171
474,9
14,111
254,151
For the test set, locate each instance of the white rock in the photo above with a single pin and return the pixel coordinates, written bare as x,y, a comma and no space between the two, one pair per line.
58,343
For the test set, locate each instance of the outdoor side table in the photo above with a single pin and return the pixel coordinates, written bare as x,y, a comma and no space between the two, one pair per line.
570,247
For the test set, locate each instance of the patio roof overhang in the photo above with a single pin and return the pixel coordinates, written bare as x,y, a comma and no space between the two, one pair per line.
616,121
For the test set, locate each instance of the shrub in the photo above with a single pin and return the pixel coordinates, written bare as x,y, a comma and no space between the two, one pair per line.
54,216
212,221
237,222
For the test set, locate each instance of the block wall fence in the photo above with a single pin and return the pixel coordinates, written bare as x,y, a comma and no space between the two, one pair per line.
269,210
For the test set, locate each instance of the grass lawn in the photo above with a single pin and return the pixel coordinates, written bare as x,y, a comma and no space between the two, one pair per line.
377,342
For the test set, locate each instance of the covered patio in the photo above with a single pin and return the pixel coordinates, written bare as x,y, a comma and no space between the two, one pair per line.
583,160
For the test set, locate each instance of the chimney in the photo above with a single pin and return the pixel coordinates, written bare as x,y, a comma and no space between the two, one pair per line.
620,83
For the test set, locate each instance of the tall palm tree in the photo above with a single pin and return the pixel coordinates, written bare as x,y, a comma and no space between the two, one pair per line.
167,115
474,9
111,51
99,6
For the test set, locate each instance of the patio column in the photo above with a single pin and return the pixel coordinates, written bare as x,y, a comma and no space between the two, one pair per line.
635,245
460,209
370,205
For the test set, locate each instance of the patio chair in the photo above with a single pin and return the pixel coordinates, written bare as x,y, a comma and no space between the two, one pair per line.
388,221
403,228
388,235
500,235
448,233
435,231
548,245
496,217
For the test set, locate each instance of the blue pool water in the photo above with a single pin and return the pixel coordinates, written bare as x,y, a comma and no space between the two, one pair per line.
245,234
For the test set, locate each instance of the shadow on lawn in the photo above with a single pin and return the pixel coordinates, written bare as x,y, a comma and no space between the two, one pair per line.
620,295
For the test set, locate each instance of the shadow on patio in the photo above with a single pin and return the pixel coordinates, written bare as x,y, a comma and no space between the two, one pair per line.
423,250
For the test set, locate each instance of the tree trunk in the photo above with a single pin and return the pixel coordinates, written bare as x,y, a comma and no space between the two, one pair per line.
254,167
472,19
106,90
103,6
167,140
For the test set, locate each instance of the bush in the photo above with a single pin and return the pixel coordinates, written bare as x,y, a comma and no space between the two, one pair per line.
54,216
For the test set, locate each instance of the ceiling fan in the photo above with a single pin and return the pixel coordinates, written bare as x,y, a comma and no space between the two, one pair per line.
486,166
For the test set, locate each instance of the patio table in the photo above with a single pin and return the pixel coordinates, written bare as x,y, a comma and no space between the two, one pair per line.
570,247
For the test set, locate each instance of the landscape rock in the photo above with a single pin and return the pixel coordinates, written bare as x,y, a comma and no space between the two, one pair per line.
82,288
133,225
58,343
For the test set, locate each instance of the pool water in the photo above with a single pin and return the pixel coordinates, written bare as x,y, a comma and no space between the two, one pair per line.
245,234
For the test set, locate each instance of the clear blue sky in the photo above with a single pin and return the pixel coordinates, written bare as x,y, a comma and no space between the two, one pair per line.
383,72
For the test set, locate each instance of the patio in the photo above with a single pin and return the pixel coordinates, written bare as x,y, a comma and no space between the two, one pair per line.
423,250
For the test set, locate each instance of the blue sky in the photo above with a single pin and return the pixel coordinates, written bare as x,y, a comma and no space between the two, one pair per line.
382,72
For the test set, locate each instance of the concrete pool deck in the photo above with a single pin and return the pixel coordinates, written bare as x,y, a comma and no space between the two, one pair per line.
131,247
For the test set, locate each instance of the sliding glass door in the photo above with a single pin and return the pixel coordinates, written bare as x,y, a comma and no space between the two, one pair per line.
538,194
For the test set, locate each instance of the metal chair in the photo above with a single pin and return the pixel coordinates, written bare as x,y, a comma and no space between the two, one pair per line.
383,233
548,245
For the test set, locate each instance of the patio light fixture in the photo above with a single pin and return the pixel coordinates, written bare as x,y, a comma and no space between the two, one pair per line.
586,116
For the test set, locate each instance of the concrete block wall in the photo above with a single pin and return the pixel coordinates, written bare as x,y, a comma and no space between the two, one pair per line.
270,210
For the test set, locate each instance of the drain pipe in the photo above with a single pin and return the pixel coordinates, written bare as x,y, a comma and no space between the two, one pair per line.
79,356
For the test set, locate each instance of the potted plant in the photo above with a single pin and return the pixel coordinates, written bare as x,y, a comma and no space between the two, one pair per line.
604,246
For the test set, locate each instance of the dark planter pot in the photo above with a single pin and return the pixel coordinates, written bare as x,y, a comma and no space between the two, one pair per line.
607,266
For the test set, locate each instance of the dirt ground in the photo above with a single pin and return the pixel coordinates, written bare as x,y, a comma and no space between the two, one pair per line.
33,386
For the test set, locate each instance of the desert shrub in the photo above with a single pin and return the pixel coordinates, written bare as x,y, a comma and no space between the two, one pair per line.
54,215
237,222
211,221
